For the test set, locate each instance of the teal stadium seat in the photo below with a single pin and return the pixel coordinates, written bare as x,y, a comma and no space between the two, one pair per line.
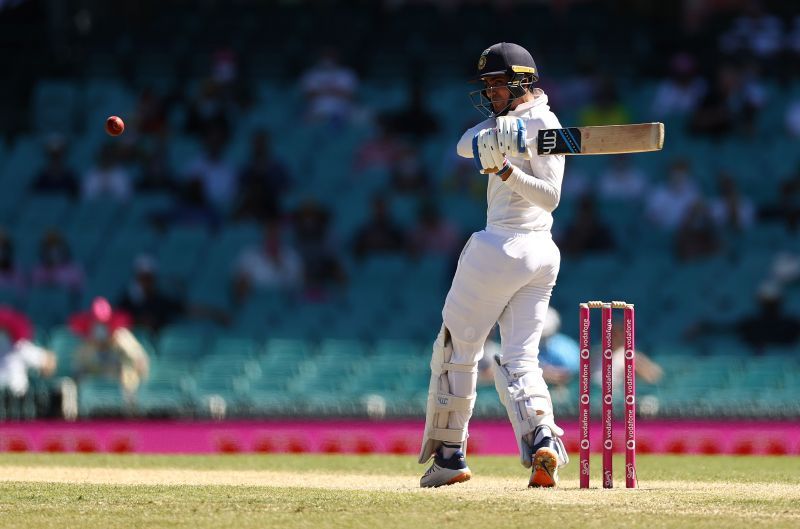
234,347
143,208
165,371
276,373
346,349
401,350
186,343
180,253
100,397
64,343
24,161
405,210
55,107
43,212
182,151
233,390
162,400
269,402
50,306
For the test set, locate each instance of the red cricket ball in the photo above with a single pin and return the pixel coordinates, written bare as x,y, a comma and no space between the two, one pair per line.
115,126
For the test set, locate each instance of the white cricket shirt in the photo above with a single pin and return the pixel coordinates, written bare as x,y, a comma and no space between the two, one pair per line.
525,201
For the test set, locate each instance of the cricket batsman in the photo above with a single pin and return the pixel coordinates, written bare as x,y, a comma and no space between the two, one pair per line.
505,275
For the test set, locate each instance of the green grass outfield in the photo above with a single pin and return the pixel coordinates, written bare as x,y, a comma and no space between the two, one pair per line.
313,491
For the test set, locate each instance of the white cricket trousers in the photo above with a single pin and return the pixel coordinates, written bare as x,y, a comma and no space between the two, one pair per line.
507,278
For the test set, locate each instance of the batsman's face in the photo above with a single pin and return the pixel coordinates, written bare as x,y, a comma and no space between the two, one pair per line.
497,91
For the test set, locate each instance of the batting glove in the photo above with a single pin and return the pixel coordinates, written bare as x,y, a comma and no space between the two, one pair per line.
486,152
511,135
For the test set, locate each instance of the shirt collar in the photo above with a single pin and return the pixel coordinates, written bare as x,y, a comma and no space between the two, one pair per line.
541,99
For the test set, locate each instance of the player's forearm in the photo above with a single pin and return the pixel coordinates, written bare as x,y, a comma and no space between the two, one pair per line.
464,146
535,190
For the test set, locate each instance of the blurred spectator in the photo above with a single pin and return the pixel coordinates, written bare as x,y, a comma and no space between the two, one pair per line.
209,112
622,180
730,105
216,174
680,93
768,326
225,73
322,266
577,182
606,107
577,89
491,348
793,41
380,234
785,268
56,268
559,354
262,182
697,237
11,277
793,118
587,233
786,208
108,180
108,349
715,115
756,32
56,177
224,67
157,175
408,174
433,234
794,35
151,308
669,203
147,304
151,113
272,265
731,210
191,208
128,152
415,121
329,89
462,177
18,353
381,151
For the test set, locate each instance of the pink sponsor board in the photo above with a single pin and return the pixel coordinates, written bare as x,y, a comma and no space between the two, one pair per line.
356,436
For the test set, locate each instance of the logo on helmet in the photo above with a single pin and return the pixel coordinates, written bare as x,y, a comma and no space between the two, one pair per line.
482,60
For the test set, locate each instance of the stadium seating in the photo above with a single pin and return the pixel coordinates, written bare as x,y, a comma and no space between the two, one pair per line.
281,355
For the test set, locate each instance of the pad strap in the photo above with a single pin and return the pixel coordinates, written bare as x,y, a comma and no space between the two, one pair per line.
449,436
461,368
447,402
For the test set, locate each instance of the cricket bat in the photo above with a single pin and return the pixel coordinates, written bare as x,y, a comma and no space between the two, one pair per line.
609,139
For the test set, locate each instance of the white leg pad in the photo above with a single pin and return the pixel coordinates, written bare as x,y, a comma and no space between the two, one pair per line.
441,402
528,404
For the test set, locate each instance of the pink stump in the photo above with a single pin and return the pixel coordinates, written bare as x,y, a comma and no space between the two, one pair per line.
630,398
584,409
607,408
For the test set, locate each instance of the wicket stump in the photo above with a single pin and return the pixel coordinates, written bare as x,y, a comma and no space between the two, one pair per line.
607,411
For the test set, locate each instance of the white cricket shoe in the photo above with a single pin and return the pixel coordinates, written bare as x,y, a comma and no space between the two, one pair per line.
545,459
446,471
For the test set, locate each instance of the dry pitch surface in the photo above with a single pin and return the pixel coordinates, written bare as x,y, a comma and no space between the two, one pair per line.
99,491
